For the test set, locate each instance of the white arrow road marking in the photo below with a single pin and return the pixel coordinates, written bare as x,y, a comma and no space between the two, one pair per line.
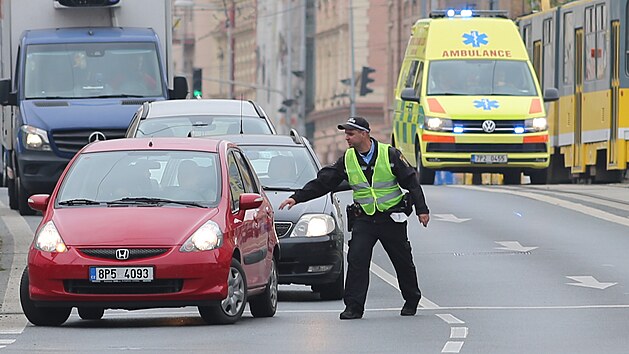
514,246
588,281
450,218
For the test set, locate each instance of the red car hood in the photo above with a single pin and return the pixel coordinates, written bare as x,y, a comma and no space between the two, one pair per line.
129,226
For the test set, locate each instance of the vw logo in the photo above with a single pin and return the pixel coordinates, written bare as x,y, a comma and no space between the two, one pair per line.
122,254
96,136
489,126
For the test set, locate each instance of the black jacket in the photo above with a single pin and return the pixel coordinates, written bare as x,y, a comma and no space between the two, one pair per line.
330,177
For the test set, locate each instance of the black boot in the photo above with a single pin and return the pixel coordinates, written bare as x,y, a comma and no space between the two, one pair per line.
350,314
409,308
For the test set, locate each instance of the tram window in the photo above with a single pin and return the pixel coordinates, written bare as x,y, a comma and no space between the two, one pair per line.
601,48
590,45
548,55
568,49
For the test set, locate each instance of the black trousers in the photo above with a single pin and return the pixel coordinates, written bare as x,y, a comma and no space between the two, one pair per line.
393,237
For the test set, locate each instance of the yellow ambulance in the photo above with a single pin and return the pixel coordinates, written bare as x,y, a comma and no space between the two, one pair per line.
467,99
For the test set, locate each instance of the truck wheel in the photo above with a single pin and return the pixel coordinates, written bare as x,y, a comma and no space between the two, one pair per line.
426,175
22,198
40,316
265,304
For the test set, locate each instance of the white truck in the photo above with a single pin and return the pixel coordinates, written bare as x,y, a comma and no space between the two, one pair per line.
75,71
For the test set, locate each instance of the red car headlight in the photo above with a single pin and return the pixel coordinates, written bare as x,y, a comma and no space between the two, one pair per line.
207,237
49,240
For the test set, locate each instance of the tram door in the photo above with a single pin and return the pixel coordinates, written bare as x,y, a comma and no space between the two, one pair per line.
578,163
612,149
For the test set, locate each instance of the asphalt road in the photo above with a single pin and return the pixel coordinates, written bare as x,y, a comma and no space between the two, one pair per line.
526,269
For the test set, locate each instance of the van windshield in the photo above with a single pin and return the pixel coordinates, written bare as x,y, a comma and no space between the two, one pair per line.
480,77
91,70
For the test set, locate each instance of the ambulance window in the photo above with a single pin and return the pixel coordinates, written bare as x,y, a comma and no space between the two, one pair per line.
412,72
418,81
568,49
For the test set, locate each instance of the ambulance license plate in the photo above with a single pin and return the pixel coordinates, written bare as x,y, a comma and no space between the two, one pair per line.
121,274
489,159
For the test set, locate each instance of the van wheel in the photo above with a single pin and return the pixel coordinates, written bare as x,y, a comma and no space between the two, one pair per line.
230,309
426,175
22,198
265,304
40,316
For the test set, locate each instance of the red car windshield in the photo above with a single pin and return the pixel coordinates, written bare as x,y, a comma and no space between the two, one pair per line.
184,176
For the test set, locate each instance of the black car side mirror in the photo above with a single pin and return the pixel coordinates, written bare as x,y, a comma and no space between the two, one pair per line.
180,90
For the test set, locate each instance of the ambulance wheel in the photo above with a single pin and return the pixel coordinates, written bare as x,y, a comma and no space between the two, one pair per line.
426,175
511,177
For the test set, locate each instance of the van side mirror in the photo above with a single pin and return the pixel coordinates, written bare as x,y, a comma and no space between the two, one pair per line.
551,94
408,94
7,98
180,88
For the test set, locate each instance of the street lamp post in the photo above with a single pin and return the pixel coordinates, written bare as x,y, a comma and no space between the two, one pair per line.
352,91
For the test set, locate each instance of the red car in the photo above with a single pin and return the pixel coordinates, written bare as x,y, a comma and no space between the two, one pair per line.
156,222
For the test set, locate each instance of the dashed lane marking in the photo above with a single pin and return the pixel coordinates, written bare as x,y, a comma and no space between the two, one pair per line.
449,319
556,201
458,332
452,347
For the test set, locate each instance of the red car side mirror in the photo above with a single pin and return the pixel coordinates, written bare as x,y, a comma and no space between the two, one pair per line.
250,201
39,201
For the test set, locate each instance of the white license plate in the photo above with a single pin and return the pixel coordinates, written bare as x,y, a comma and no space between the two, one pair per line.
501,158
121,274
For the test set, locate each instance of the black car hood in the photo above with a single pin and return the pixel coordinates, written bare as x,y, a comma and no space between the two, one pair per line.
321,205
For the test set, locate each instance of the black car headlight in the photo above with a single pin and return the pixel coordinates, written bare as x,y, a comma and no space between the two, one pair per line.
312,225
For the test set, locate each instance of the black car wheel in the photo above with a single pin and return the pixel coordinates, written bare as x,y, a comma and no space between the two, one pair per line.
22,198
40,316
334,290
231,308
91,313
265,304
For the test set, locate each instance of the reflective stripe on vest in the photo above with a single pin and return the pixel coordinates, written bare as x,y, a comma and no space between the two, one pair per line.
384,191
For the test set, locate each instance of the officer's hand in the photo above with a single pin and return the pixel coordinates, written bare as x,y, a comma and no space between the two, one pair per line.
288,202
423,219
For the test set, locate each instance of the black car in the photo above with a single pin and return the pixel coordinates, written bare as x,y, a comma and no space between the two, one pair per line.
310,233
199,117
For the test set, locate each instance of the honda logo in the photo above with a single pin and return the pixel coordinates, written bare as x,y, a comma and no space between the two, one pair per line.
96,136
489,126
122,254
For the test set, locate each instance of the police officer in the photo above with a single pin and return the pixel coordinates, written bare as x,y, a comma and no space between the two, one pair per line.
375,171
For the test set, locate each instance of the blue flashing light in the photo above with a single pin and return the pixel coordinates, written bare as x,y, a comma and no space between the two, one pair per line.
518,130
466,13
450,13
458,129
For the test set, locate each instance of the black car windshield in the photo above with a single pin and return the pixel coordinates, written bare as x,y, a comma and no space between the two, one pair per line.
480,77
88,70
281,167
141,178
202,125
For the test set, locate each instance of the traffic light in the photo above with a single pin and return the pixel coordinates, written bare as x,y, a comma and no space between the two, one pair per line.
197,83
88,3
365,80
